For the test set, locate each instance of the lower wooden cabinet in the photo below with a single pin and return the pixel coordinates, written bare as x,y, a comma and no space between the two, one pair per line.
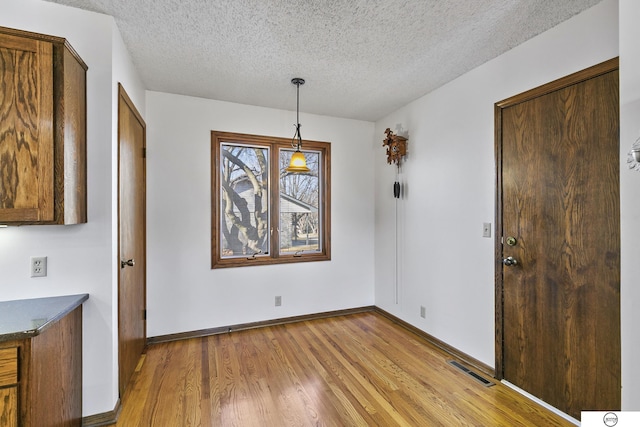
41,376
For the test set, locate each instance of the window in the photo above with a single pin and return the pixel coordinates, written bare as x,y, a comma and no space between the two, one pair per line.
262,214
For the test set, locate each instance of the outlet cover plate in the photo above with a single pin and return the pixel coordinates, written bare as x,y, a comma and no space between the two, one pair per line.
38,266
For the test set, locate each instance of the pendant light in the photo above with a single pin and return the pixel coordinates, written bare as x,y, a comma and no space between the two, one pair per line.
298,162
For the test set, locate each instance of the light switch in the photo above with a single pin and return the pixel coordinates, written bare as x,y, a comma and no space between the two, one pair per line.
486,229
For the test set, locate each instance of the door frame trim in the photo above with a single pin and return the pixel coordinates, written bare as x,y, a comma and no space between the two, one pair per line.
580,76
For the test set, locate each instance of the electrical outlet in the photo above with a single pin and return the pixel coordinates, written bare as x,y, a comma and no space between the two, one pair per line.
38,266
278,301
486,229
423,312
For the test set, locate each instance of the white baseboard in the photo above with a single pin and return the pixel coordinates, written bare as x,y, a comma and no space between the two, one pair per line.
542,403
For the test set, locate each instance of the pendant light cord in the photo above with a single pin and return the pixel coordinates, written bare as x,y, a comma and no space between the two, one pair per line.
297,81
298,106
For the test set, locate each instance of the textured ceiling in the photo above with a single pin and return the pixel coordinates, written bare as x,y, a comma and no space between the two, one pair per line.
361,59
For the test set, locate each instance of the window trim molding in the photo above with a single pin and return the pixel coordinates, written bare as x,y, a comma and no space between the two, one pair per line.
274,256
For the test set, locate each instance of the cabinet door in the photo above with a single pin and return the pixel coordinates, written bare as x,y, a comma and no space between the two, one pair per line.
9,407
26,129
9,396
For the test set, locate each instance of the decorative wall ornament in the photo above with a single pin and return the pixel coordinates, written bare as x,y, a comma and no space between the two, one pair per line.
396,147
396,150
633,158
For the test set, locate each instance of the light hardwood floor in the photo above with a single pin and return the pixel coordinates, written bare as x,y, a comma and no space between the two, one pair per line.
354,370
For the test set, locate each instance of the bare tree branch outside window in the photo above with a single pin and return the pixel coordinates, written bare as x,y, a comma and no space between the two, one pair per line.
245,200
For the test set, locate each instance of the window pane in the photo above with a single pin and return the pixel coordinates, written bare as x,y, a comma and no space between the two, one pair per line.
244,200
300,222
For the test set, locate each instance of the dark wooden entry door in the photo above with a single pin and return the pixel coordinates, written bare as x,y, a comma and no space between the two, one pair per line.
558,198
132,236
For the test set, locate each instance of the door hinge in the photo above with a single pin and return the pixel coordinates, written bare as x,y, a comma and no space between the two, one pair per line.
144,152
144,314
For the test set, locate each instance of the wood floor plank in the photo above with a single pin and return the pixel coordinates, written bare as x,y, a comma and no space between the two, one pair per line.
368,394
353,401
304,377
354,370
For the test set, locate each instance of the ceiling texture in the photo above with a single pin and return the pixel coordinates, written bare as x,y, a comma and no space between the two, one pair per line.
361,59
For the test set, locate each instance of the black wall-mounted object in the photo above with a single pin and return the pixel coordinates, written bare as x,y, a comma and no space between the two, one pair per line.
396,190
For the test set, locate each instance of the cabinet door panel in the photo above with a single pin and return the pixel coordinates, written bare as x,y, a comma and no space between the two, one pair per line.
8,366
26,129
9,407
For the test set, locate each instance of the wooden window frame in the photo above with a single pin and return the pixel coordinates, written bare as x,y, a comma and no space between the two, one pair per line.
274,256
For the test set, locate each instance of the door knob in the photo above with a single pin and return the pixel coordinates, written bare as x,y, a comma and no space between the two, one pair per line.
509,261
129,262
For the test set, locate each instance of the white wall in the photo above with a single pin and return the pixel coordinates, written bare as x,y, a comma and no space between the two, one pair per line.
80,257
183,292
630,201
445,264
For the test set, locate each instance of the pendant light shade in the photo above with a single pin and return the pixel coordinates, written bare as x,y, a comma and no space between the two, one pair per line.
298,163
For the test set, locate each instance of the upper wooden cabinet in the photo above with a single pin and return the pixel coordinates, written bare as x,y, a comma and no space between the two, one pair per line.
43,172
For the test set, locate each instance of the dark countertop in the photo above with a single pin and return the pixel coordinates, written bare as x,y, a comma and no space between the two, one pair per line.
29,317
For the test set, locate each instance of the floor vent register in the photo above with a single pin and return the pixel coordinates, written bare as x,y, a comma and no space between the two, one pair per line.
472,374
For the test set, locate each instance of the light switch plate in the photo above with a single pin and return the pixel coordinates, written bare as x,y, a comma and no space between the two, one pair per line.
486,229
